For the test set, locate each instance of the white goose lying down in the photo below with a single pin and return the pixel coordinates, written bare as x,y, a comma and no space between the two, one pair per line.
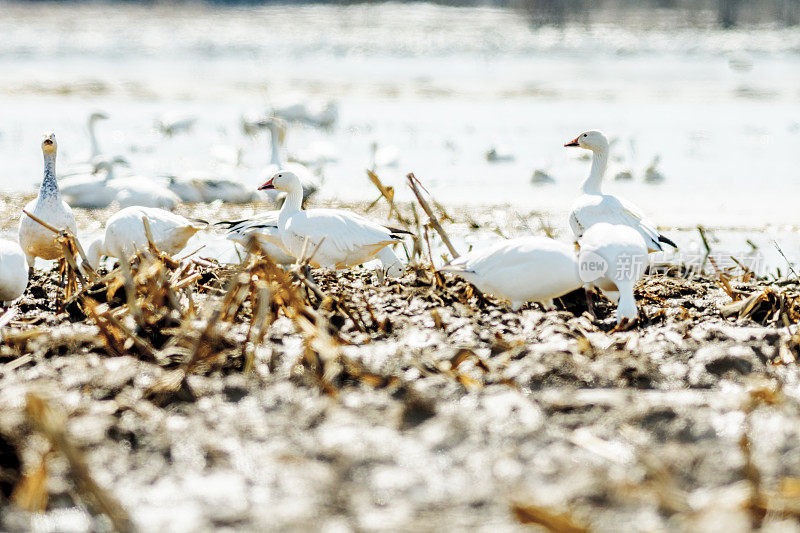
621,253
520,270
13,271
125,233
593,206
265,230
347,239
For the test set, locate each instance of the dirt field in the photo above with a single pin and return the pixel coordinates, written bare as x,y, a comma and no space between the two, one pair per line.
408,404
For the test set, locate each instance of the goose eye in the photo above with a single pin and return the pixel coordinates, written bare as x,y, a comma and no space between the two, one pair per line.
585,134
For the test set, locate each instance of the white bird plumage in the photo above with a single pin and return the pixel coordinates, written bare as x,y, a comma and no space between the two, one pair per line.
264,228
592,206
35,239
623,253
125,233
341,238
13,271
524,269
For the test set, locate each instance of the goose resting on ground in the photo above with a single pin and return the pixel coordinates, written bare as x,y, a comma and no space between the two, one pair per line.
92,191
613,258
35,239
125,234
264,228
13,271
593,206
341,238
521,270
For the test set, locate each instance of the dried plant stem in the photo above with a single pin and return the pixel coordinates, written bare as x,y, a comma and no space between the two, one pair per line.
52,425
413,182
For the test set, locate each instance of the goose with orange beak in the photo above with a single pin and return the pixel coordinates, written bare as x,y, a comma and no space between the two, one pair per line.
592,206
35,239
337,238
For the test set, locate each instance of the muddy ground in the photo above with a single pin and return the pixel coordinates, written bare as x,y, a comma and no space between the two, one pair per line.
415,404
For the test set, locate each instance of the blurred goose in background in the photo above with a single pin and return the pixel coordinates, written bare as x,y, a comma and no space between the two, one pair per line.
207,189
341,238
264,229
592,206
143,191
521,270
309,182
91,122
35,239
91,190
613,258
499,154
13,271
540,177
125,234
652,174
172,123
383,156
316,114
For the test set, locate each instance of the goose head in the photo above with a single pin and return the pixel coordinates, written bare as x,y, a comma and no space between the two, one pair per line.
591,140
94,117
49,145
283,180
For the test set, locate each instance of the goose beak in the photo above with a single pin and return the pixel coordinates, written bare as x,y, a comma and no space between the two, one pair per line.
267,186
573,142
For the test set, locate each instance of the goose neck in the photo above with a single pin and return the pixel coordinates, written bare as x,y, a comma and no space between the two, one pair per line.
599,163
95,148
275,157
49,187
292,203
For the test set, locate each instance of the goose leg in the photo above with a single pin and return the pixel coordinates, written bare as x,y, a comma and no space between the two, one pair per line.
589,304
31,260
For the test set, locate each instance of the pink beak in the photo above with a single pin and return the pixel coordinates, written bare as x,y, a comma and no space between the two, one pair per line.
268,185
574,142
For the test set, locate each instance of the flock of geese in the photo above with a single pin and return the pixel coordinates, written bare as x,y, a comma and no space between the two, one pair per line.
613,237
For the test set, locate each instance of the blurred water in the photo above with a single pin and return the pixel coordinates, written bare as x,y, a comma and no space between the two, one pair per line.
442,84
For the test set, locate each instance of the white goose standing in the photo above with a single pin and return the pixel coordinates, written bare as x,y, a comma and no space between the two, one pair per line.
613,258
125,233
35,239
13,271
593,206
521,270
341,238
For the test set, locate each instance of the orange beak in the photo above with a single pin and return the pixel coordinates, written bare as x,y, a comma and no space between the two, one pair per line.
268,185
574,142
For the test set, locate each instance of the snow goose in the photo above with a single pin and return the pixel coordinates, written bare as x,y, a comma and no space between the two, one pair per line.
172,123
592,206
341,238
500,154
277,130
613,258
203,188
264,228
91,122
521,270
383,157
125,233
651,174
13,271
35,239
92,190
316,114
